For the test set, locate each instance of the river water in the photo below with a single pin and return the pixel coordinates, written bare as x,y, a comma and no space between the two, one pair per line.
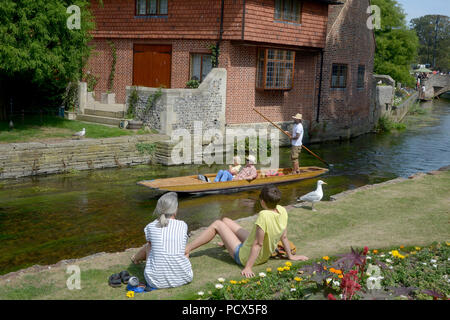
47,219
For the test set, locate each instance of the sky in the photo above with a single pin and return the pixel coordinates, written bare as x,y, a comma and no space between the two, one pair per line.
418,8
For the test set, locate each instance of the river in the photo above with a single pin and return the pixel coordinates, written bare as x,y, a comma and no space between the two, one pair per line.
50,218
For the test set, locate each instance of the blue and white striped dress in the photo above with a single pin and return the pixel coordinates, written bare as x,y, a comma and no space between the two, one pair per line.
167,266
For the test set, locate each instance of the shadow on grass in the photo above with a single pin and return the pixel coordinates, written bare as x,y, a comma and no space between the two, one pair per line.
216,253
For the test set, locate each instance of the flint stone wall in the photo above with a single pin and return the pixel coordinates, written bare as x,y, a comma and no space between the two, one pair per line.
35,158
180,108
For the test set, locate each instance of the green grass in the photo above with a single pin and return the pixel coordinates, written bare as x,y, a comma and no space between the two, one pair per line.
33,129
409,213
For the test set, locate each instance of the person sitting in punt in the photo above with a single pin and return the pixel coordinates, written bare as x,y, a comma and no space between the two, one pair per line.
255,247
166,263
248,172
228,175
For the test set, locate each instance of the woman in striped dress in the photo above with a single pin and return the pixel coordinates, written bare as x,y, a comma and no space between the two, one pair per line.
166,263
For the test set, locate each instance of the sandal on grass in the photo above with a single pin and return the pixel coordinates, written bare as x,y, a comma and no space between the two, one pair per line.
114,280
124,276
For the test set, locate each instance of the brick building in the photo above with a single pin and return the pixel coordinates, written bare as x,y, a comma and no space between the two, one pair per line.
283,57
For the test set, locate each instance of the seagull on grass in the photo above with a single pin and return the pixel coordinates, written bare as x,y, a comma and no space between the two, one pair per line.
80,134
314,196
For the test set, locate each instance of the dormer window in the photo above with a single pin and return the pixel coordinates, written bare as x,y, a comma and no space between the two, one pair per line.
151,7
288,10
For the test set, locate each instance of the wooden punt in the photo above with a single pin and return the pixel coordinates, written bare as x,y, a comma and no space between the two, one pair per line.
192,185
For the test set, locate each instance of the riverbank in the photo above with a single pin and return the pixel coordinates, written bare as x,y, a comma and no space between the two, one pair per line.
404,212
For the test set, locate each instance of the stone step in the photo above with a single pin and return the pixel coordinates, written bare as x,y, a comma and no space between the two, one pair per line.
106,107
103,113
97,119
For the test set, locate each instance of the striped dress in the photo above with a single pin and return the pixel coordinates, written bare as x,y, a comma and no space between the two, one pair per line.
167,266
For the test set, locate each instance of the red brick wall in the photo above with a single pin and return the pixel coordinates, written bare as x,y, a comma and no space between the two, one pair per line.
198,19
350,42
101,59
260,25
242,95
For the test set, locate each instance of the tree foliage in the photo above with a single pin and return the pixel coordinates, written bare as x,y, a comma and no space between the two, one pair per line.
429,34
396,44
38,52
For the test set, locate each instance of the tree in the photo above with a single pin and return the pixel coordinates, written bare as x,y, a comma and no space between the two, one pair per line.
39,54
396,44
434,38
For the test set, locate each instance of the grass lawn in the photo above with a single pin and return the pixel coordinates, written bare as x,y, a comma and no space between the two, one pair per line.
412,212
32,129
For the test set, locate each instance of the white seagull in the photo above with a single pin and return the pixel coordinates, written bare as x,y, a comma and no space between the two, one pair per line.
80,133
314,196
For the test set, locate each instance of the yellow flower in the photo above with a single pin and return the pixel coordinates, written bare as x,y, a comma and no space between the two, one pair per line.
130,294
395,253
289,264
417,248
447,243
228,288
287,268
258,283
269,270
401,256
280,269
326,258
233,281
413,252
298,279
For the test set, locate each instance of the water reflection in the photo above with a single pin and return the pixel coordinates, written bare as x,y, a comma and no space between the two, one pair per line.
47,219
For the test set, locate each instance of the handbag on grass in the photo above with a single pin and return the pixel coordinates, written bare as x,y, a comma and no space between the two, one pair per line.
280,251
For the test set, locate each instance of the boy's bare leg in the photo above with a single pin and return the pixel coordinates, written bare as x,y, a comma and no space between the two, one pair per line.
230,240
240,232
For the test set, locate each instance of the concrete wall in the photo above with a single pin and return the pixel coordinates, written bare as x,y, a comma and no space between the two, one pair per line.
35,158
180,108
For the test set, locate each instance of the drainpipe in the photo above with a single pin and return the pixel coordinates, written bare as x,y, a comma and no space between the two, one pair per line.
221,30
320,87
243,20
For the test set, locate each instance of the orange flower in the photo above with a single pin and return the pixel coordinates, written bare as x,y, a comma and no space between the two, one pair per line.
326,258
402,246
338,271
340,276
375,251
324,268
332,270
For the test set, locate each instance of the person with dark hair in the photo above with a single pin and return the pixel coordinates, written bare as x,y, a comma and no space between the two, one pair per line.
254,247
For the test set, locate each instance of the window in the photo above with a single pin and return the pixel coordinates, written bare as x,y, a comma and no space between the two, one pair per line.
275,69
361,76
201,65
288,10
339,76
151,7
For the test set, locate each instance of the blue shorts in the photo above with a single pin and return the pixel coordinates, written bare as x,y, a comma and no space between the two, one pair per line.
236,254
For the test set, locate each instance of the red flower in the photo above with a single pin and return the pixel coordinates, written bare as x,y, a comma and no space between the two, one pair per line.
366,249
331,297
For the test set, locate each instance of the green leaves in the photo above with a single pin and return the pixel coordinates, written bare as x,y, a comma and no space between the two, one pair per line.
396,44
36,46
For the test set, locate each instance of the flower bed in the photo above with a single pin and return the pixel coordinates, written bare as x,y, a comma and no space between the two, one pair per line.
398,273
